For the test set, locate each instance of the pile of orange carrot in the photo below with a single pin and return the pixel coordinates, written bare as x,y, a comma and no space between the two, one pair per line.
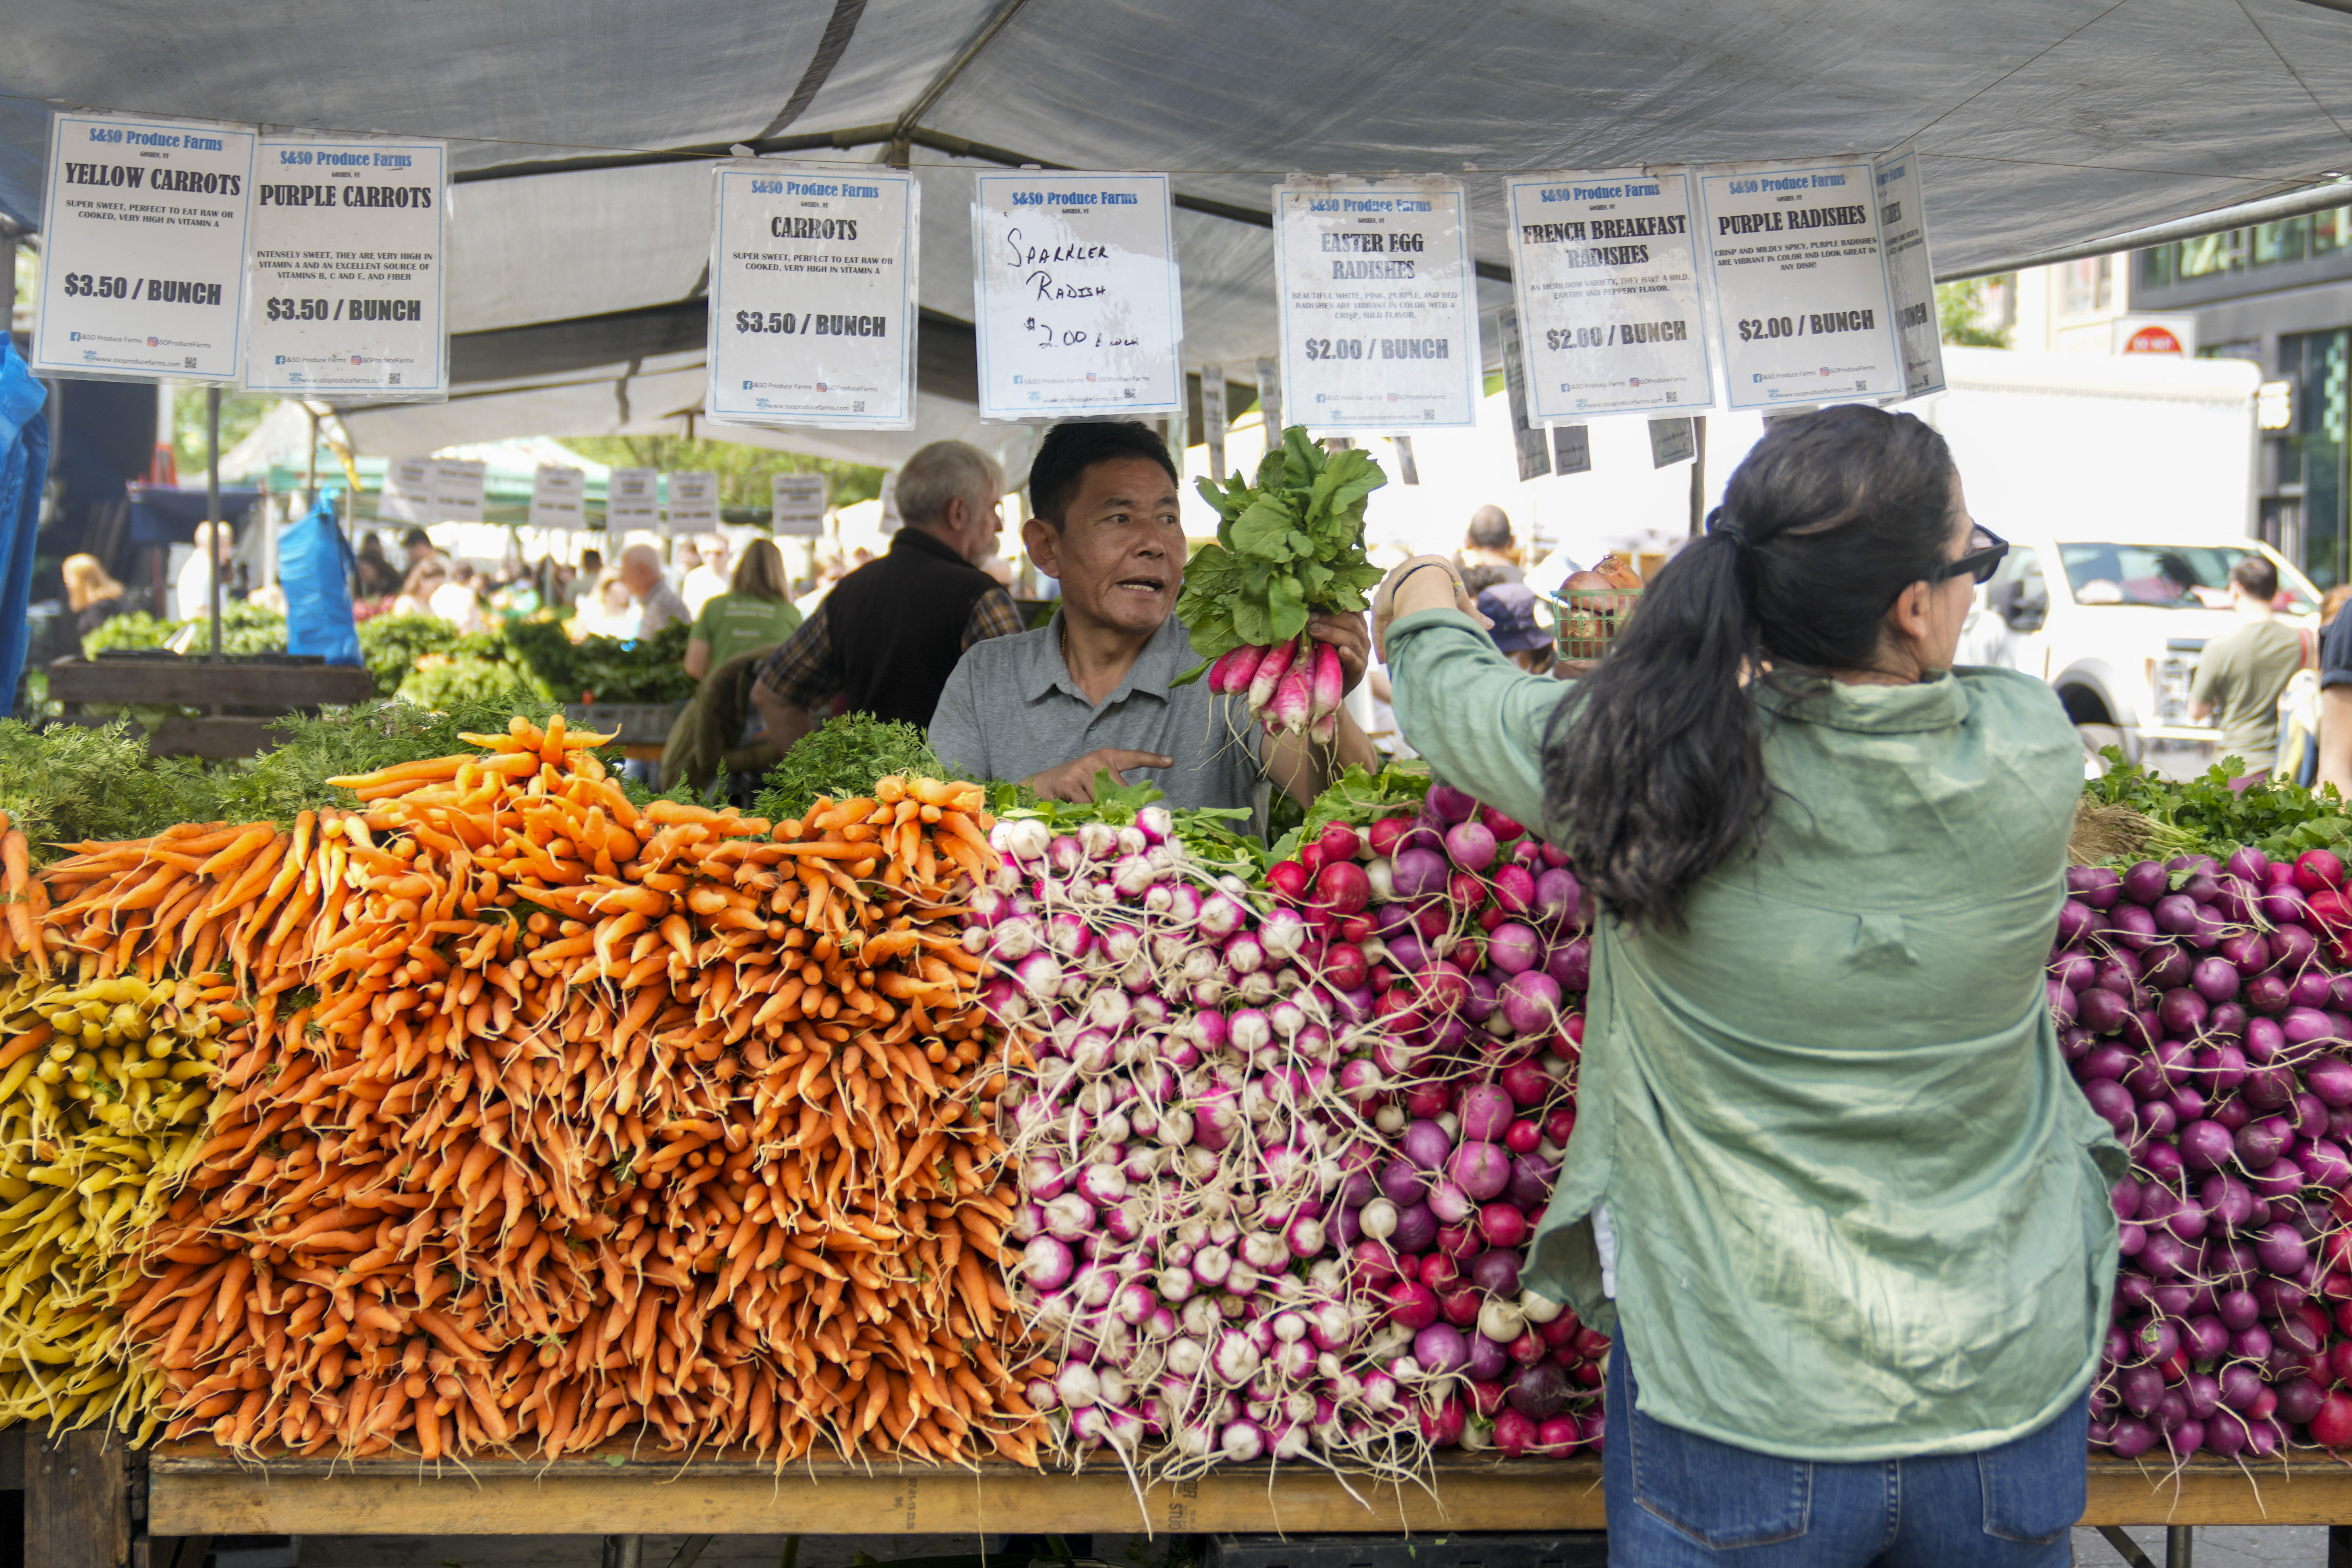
556,1123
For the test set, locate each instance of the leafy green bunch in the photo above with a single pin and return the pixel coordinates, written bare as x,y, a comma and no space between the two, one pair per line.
1288,547
2282,819
842,761
1358,799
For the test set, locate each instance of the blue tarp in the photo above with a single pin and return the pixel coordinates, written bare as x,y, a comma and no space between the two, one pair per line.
168,514
23,469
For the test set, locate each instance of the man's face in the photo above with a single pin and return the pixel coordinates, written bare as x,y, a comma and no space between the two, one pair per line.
976,528
1119,555
639,576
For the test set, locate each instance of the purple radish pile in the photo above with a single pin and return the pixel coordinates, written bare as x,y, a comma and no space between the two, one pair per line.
2201,1007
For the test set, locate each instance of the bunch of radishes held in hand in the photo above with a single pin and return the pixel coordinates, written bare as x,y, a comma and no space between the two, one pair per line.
1293,687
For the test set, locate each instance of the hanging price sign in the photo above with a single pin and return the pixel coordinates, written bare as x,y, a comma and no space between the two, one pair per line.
144,240
813,295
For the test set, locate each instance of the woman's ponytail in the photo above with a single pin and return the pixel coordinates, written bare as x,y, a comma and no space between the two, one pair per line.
1658,774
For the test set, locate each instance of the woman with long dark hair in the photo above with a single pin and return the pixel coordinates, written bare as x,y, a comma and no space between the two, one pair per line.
1831,1189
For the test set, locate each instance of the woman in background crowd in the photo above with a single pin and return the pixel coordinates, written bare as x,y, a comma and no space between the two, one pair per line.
94,598
754,612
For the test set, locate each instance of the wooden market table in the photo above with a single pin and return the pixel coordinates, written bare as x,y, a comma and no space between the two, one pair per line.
196,1490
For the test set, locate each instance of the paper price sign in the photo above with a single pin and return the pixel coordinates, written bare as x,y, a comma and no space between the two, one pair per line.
457,484
143,238
557,496
798,505
1800,295
1607,274
631,498
407,493
344,285
693,503
1379,323
1075,286
813,295
1910,275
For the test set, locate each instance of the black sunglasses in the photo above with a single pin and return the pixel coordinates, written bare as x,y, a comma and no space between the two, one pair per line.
1985,550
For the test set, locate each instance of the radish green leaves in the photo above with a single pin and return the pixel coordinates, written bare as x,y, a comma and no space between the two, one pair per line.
1288,547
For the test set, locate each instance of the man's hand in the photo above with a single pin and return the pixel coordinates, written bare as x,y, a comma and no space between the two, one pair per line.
1075,781
1347,634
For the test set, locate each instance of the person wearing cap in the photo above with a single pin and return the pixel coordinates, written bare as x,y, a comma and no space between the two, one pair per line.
1511,607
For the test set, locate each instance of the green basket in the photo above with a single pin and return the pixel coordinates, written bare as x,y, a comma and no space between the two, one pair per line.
1585,621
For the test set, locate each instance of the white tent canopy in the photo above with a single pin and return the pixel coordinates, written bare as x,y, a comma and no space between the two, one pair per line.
2042,124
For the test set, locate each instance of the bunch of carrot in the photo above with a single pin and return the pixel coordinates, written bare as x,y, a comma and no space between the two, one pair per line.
103,1099
556,1120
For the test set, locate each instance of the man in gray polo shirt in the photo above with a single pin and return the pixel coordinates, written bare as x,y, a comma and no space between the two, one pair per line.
1089,692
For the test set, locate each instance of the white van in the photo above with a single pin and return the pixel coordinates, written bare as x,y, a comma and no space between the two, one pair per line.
2115,623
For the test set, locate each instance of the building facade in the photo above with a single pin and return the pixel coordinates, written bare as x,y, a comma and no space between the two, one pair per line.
2279,295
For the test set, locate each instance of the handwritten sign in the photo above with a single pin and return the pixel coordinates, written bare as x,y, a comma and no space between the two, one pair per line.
813,295
1075,290
1379,323
1606,270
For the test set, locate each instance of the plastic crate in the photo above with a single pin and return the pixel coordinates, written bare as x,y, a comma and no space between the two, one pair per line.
637,724
1451,1549
1585,621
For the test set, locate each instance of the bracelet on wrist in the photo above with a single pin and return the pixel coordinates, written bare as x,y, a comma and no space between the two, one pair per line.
1425,566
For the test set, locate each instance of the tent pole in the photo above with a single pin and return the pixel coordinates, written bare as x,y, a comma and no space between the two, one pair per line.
311,491
212,503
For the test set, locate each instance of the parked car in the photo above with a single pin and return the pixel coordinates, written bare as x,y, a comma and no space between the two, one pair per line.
2116,626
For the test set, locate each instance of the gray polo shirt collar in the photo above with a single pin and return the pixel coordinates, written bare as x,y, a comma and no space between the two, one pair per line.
1167,654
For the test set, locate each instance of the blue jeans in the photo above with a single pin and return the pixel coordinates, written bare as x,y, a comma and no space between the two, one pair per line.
1678,1500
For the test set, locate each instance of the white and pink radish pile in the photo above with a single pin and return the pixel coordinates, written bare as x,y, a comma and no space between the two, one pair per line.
1464,935
2201,1015
1185,1149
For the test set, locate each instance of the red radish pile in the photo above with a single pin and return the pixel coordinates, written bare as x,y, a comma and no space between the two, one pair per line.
1293,687
1462,934
2197,1006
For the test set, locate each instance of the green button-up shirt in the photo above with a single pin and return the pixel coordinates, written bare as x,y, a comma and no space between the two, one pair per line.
1860,1209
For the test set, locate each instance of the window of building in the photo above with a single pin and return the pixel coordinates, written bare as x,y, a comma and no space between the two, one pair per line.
2236,348
2280,241
2269,244
2211,254
2312,456
2087,285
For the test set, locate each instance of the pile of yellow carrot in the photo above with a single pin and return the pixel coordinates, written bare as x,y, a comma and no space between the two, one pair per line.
553,1122
104,1094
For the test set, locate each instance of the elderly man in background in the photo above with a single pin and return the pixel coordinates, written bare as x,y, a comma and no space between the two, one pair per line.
1488,543
887,636
658,604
